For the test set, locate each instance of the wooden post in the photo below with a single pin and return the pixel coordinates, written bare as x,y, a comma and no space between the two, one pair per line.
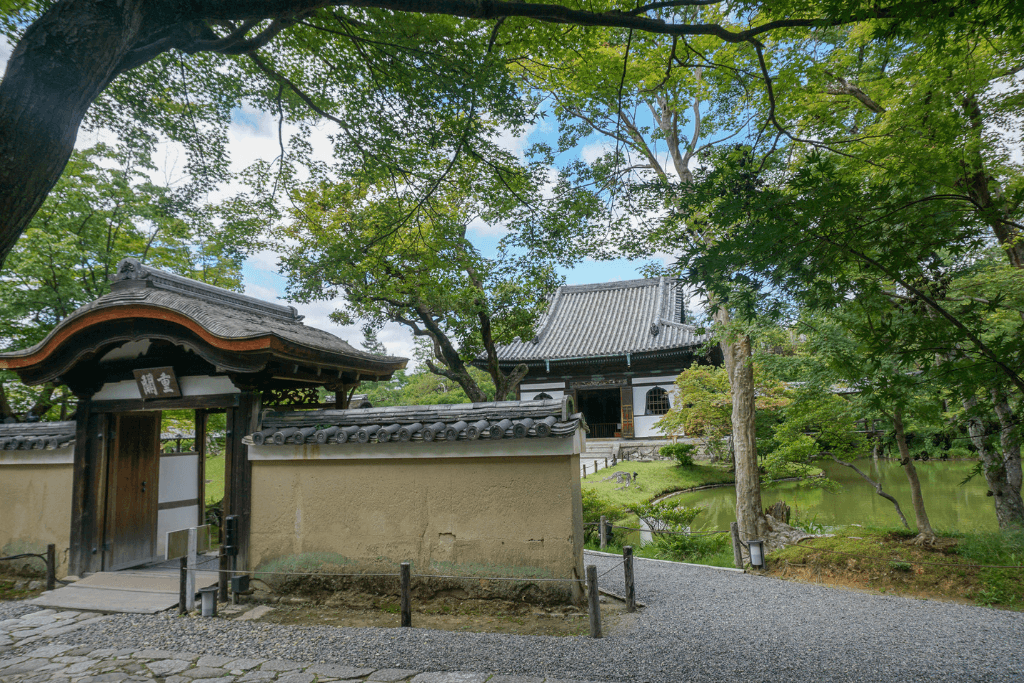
604,534
182,580
51,567
190,573
406,601
627,566
222,566
606,463
737,551
594,602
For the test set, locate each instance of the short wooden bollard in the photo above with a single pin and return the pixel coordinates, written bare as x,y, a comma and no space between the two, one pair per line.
606,463
737,551
627,566
584,470
222,579
406,600
182,583
604,531
594,602
51,567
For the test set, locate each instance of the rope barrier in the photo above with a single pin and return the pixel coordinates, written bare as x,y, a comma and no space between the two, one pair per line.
495,578
614,567
661,531
257,573
41,556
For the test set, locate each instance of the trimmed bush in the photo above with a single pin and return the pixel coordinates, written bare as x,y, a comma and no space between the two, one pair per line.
681,452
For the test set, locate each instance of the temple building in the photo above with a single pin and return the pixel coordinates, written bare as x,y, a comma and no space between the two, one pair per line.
616,349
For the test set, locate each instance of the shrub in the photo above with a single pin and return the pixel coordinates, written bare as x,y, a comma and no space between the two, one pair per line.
594,506
682,452
666,514
690,548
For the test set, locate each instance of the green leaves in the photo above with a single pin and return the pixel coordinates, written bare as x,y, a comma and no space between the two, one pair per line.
105,208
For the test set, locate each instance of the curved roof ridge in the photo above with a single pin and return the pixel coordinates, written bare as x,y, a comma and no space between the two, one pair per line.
132,273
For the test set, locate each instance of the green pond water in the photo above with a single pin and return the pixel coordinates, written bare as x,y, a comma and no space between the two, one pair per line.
950,506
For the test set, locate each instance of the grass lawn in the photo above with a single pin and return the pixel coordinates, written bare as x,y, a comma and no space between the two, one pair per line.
655,479
215,479
887,561
713,557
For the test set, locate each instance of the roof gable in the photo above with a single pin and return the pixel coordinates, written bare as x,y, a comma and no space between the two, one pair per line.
608,319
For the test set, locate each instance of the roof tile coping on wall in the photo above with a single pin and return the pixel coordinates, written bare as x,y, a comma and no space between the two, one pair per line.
466,421
27,436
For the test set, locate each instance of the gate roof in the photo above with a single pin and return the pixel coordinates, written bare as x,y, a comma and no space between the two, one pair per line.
233,333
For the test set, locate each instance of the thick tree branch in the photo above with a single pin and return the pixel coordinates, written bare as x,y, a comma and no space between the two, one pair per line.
878,488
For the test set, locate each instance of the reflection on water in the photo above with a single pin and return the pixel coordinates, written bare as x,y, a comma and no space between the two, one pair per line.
950,507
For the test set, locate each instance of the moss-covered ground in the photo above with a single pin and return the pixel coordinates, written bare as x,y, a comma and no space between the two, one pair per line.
888,561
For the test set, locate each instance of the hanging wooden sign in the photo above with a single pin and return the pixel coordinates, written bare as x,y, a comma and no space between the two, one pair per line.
157,383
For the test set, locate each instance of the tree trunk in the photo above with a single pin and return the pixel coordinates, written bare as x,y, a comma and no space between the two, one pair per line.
43,402
1012,505
739,365
5,407
924,527
1002,473
985,191
59,67
461,375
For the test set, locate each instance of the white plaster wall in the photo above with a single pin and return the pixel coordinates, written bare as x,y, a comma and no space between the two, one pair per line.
206,386
58,456
541,386
173,520
661,379
115,391
530,395
201,385
179,478
643,425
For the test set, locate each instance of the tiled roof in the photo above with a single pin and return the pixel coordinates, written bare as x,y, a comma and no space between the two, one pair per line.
223,313
450,422
609,319
27,436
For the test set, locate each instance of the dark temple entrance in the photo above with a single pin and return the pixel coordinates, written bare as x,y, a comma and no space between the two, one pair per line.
602,409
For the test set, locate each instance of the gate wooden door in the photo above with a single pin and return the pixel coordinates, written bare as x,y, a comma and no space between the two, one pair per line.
626,401
133,492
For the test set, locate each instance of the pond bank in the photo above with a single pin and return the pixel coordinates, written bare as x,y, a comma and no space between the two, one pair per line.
950,505
973,569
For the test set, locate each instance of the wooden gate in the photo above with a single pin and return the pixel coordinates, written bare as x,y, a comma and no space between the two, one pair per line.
133,493
626,403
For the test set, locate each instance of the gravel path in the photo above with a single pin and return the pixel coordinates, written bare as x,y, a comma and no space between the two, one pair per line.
700,624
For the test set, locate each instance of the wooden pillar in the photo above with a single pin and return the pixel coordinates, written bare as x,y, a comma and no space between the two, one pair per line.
241,421
199,446
88,490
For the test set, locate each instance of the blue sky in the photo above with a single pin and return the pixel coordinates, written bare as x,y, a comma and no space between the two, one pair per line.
254,135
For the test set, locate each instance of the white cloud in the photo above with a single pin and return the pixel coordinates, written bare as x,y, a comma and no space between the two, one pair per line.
481,228
593,151
516,144
264,260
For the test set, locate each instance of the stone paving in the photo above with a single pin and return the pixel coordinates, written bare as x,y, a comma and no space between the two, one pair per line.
26,656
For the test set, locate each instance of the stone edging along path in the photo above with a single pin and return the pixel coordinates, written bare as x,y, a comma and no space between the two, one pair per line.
24,659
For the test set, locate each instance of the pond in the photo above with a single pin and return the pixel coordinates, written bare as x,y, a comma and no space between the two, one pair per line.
950,506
